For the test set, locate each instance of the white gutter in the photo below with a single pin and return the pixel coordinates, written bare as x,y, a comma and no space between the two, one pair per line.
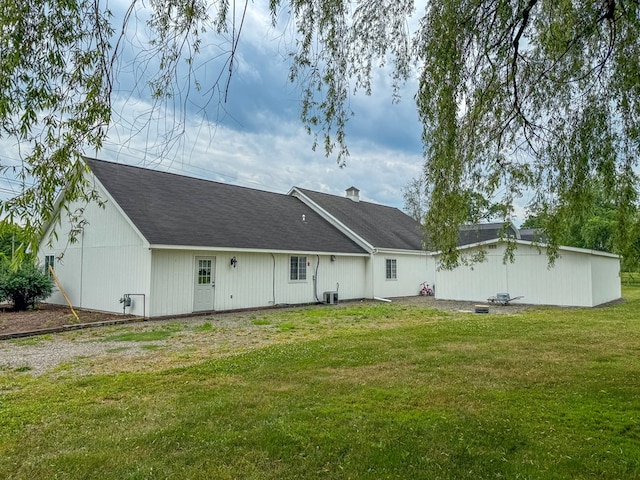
251,250
400,251
532,244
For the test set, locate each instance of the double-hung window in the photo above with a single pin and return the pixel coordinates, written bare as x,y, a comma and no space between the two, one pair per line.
298,268
392,271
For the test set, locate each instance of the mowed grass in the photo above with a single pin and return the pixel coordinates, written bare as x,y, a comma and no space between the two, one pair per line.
550,393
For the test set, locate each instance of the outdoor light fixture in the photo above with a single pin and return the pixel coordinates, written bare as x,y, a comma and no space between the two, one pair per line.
234,261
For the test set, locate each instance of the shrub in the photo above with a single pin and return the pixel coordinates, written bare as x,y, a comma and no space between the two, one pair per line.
25,286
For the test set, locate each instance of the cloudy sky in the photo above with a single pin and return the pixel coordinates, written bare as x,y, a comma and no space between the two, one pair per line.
255,138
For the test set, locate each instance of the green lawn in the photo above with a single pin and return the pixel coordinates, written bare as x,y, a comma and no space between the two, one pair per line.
550,393
630,279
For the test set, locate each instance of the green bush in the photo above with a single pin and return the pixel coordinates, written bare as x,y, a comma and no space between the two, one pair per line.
25,286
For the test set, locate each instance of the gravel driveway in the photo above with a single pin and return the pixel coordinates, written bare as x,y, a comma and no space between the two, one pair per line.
193,339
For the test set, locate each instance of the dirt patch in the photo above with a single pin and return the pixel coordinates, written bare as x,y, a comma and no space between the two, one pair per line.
46,316
463,306
197,338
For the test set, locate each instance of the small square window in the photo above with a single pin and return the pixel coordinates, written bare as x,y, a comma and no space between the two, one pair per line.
392,269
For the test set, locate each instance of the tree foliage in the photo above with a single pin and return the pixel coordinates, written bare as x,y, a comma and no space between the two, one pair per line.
415,202
13,241
520,100
477,209
530,96
596,227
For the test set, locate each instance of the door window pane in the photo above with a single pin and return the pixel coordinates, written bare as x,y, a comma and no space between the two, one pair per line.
204,272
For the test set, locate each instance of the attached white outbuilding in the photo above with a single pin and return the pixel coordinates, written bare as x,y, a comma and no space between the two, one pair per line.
578,277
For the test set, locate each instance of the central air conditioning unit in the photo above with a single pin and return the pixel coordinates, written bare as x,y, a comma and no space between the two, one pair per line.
330,298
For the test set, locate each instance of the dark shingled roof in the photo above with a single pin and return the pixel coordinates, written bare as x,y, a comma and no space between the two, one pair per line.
533,235
171,209
379,225
484,231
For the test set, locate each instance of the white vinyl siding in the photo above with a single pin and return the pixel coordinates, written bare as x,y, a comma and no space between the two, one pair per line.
578,278
108,260
259,280
412,269
172,285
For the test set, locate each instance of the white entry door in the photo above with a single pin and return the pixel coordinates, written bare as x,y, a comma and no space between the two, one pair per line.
204,283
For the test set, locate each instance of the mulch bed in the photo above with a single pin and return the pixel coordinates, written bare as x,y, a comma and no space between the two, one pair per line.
46,316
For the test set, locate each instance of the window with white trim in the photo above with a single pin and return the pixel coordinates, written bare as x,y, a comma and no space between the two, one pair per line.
298,268
392,269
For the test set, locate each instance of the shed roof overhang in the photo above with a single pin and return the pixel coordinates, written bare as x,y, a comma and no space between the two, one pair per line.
541,246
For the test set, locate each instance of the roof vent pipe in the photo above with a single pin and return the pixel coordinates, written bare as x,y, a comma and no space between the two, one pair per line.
353,194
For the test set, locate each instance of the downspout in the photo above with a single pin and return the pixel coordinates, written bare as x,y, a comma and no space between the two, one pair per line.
81,264
372,257
373,295
506,276
273,281
380,299
315,279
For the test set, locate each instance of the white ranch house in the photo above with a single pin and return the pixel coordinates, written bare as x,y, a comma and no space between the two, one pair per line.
175,245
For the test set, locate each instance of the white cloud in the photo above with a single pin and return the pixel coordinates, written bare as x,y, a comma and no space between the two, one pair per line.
255,139
276,158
